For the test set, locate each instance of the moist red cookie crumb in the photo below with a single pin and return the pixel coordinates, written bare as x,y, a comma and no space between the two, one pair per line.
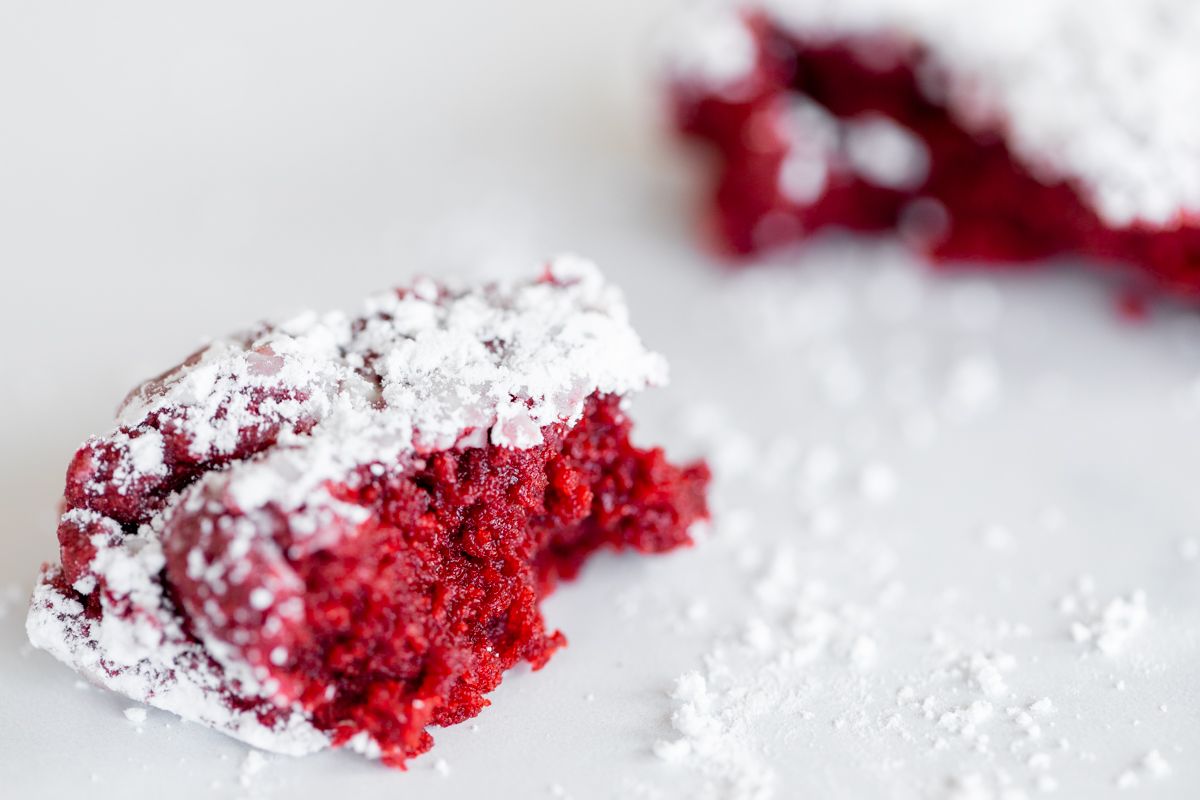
977,131
337,531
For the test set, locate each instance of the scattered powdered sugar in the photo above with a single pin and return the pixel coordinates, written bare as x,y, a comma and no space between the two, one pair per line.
1106,627
711,726
997,537
9,596
878,150
814,138
135,715
428,367
1097,91
1150,767
1189,549
886,154
252,765
1154,765
852,653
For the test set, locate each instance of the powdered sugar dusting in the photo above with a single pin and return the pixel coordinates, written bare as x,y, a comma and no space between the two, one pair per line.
711,44
138,648
423,369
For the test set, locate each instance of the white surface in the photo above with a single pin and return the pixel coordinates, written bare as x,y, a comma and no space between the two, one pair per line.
169,174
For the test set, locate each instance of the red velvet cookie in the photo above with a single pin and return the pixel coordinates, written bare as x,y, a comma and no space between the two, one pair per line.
1003,132
336,531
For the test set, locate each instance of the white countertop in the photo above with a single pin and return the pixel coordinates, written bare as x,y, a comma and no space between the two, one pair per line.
1005,456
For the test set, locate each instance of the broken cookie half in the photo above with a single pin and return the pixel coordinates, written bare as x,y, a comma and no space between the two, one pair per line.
336,531
999,132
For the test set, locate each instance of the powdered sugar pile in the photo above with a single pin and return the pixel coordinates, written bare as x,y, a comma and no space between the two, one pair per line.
1124,70
425,368
1108,627
1151,767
